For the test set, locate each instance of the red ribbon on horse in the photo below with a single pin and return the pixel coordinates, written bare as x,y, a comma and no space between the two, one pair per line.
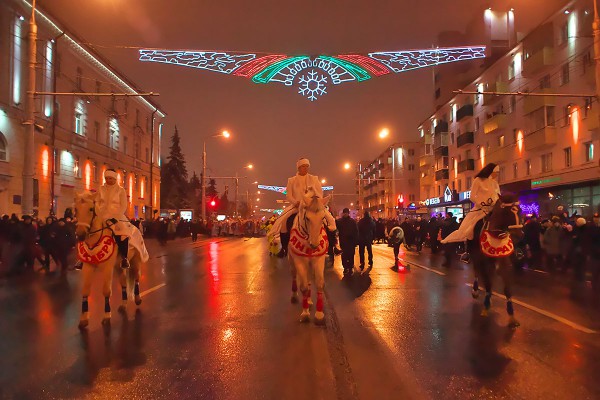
101,252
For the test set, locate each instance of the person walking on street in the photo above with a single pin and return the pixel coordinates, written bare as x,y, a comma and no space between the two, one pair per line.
366,234
348,236
420,233
450,225
396,238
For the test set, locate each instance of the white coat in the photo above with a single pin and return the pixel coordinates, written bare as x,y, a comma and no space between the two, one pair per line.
111,202
484,194
298,185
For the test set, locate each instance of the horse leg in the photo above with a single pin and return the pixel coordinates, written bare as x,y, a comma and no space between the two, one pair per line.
302,275
319,268
123,281
487,271
136,283
294,273
87,273
506,273
107,271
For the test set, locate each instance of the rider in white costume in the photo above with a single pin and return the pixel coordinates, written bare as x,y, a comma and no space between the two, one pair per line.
111,207
484,193
297,187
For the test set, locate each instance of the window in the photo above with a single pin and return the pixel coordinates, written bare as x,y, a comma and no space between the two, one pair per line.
460,185
469,181
527,167
589,151
98,89
515,170
477,124
78,123
17,60
3,148
545,82
567,115
467,154
452,138
587,61
502,174
56,169
137,117
411,167
76,168
97,131
113,134
564,74
48,79
137,150
512,104
567,153
550,120
564,33
411,197
511,71
501,141
547,162
411,152
125,144
79,78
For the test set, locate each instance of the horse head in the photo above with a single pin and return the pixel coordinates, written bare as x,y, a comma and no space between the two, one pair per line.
312,212
506,216
85,213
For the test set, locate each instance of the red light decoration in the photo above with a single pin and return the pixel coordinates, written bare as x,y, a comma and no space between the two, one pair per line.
255,66
371,65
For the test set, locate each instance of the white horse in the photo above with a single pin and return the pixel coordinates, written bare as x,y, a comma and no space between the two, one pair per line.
98,251
306,252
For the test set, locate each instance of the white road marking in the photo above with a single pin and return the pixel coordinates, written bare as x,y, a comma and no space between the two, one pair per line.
152,289
416,265
545,313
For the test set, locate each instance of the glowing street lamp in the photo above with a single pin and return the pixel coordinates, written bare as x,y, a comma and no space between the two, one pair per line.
323,181
347,166
385,132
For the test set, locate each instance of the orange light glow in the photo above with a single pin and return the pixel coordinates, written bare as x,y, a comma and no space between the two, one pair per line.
575,120
482,156
520,141
155,192
120,178
88,175
455,168
142,188
45,162
130,188
103,171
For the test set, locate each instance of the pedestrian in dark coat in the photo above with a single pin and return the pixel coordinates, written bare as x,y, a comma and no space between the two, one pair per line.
449,226
420,233
532,232
433,230
366,234
348,236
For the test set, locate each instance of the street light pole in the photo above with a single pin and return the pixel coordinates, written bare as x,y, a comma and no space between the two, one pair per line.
203,179
29,124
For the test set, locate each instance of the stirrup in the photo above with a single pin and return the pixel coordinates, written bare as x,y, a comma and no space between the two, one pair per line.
125,263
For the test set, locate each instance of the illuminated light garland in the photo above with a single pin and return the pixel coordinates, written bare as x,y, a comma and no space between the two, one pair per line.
373,66
312,74
253,67
281,189
530,209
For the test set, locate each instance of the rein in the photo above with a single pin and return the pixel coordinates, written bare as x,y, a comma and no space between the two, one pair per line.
89,226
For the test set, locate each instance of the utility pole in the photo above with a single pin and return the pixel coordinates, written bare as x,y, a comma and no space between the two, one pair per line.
237,180
29,123
203,179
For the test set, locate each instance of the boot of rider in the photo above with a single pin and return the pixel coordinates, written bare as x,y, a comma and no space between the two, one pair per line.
123,245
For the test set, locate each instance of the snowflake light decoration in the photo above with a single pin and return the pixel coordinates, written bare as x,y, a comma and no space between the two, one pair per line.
312,74
312,85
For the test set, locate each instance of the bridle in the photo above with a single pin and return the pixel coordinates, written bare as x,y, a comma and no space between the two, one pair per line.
303,222
89,226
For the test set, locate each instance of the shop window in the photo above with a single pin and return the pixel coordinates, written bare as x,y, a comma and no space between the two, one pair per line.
547,162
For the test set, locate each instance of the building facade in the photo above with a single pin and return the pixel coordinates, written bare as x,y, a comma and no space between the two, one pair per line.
545,144
77,137
388,185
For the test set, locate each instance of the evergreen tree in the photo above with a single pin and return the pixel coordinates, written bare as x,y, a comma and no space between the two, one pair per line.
194,193
224,204
174,177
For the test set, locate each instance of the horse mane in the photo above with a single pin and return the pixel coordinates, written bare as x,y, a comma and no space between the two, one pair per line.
86,196
315,205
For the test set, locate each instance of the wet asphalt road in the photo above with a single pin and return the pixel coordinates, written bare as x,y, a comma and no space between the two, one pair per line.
216,323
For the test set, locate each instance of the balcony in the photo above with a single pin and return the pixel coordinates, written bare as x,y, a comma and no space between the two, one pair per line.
466,165
498,87
499,155
532,103
465,139
440,140
498,121
426,180
442,126
426,161
464,112
542,58
540,139
440,152
441,174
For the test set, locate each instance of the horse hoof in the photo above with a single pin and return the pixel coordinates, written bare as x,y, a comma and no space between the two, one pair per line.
122,308
105,321
83,323
294,298
484,312
319,322
475,293
513,323
138,300
305,316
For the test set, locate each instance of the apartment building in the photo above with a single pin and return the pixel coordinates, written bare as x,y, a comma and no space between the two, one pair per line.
388,186
77,137
545,144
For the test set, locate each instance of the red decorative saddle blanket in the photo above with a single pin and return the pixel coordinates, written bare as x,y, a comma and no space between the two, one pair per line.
99,253
299,244
496,246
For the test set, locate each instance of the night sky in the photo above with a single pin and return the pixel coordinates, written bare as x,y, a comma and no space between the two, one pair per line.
272,125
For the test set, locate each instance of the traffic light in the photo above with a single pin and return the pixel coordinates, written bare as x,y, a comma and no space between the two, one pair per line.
213,203
400,201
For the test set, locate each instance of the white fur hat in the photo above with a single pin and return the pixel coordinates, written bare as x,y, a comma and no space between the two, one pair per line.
109,173
497,168
301,162
580,221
